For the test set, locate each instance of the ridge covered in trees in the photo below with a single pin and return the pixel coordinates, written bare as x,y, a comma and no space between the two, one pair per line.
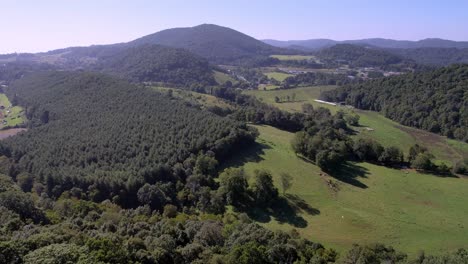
358,56
155,63
217,44
108,138
436,101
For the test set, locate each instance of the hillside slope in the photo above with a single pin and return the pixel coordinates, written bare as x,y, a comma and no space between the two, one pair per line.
358,55
216,43
436,101
108,137
376,42
155,63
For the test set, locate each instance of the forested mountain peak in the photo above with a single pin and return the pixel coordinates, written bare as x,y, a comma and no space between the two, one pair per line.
214,42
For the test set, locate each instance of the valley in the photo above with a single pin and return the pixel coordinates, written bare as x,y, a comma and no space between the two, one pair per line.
144,138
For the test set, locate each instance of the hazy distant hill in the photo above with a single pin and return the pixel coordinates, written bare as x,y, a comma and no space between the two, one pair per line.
358,55
377,42
433,56
216,43
155,63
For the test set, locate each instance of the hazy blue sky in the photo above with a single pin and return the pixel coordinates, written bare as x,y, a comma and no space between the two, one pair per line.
41,25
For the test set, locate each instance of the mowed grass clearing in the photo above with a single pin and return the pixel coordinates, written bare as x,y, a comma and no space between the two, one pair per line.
222,78
14,116
279,76
405,209
293,57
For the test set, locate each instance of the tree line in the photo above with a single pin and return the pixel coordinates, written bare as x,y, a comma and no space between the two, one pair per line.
436,101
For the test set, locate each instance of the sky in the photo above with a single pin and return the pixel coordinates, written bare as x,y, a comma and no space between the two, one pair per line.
42,25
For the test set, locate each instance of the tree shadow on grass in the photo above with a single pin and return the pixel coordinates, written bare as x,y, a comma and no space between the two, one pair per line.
251,153
349,173
285,210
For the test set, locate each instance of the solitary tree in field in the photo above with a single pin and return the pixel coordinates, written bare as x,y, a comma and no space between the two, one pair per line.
286,181
277,100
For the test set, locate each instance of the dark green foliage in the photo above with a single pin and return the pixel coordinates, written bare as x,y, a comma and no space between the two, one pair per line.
316,78
434,56
324,140
373,254
367,150
391,156
154,63
216,43
234,186
435,101
15,70
109,138
358,56
263,190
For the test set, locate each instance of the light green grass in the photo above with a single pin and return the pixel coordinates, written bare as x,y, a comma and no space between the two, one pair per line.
384,130
408,210
303,95
15,117
222,78
293,57
279,76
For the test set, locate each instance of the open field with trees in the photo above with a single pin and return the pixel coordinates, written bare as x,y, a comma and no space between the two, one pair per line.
11,116
279,76
366,202
372,124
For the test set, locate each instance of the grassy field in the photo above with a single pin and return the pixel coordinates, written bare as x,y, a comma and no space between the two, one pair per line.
405,209
279,76
293,57
222,78
384,130
14,116
302,95
205,100
267,87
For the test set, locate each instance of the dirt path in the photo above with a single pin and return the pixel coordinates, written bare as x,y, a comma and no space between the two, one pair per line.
10,132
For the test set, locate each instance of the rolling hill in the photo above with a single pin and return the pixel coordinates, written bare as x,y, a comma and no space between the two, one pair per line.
314,44
115,132
358,55
155,63
216,43
435,101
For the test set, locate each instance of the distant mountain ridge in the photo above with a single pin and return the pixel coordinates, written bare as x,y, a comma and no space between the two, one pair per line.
215,43
314,44
212,42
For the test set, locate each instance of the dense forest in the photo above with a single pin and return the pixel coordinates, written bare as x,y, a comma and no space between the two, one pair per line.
435,101
14,70
154,63
217,44
108,138
317,78
434,56
35,229
358,56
